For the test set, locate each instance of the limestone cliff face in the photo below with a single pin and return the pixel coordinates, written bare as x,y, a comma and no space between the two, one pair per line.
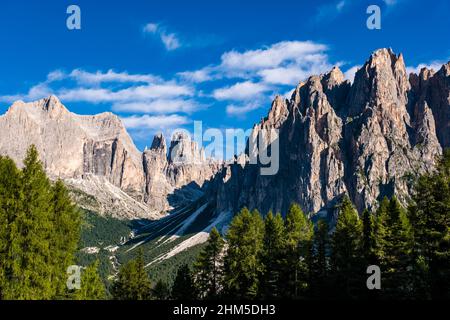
177,177
71,145
90,151
366,139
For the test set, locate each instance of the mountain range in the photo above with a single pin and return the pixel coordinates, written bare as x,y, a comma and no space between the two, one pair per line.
368,138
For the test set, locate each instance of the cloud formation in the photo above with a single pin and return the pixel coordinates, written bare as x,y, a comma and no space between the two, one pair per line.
170,40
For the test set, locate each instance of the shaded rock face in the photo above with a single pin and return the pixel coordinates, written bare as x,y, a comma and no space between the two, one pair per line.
366,139
87,151
175,178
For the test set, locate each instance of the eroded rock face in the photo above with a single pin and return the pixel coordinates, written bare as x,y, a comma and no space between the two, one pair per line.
71,145
85,150
365,139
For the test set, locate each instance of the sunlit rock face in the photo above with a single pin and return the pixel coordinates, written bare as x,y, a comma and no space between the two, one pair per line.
366,139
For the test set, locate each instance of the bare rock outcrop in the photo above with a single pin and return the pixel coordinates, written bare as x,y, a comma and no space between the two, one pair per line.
366,139
88,150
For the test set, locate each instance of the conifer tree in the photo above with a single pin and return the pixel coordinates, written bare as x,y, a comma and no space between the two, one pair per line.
208,268
32,269
10,206
64,236
92,287
430,219
396,246
132,282
381,229
243,267
39,231
298,240
369,245
320,264
346,265
272,255
183,288
161,290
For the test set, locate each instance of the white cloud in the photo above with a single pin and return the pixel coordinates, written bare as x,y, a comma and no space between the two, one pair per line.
155,123
340,5
157,106
201,75
390,2
151,27
284,63
135,93
350,73
240,91
270,57
98,77
330,11
435,65
241,110
288,94
169,39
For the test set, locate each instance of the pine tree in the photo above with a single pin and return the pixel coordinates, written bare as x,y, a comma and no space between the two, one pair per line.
369,244
64,236
430,219
32,270
396,248
10,206
208,268
381,229
243,267
320,264
346,265
39,231
92,287
298,240
161,290
272,255
132,282
183,287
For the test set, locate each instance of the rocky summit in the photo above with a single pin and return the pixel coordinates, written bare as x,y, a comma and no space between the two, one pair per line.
96,157
367,139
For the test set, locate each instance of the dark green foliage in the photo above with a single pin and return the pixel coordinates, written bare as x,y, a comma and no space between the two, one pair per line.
396,261
346,265
298,245
92,287
184,288
132,282
39,231
66,237
430,219
369,240
243,267
320,277
208,267
272,256
161,291
10,206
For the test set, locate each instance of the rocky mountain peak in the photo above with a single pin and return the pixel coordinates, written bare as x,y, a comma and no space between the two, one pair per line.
183,150
333,78
278,112
159,144
363,139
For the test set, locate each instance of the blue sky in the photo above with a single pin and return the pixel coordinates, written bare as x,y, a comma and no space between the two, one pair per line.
163,64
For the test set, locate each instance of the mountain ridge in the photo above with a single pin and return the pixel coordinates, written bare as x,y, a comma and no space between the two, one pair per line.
362,138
